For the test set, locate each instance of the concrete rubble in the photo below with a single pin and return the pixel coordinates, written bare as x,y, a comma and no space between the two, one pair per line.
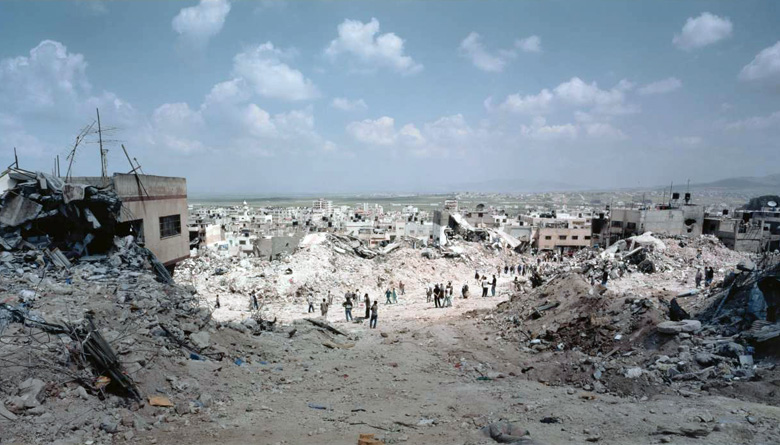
96,339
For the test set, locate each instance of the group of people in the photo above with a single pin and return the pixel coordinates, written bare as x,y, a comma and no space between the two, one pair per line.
709,275
487,284
441,295
350,298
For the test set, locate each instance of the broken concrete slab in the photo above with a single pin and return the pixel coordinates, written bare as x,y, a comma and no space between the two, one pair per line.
18,210
676,327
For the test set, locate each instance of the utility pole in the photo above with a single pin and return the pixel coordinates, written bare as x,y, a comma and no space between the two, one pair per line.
103,166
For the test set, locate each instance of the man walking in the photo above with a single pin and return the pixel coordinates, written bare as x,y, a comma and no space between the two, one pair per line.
324,308
374,313
310,300
348,309
367,302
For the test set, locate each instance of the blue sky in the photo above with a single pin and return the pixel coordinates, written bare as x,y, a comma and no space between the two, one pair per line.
348,96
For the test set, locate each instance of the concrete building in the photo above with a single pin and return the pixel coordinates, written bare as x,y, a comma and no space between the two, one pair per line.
562,237
154,209
680,220
747,231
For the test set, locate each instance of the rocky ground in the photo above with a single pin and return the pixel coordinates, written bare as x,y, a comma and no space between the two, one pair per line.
426,375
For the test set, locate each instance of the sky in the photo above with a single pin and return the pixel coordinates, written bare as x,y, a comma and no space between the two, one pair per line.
274,97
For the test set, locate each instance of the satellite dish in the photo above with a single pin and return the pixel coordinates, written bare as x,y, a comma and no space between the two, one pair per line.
771,204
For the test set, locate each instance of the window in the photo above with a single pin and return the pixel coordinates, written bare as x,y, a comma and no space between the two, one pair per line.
631,226
588,237
170,226
548,237
617,224
561,237
575,237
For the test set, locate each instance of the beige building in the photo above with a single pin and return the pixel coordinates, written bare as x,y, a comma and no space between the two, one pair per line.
154,209
562,238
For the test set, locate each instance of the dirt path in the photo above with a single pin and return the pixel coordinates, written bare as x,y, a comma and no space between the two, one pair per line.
415,380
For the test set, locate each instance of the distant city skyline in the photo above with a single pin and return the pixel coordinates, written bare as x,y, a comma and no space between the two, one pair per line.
275,97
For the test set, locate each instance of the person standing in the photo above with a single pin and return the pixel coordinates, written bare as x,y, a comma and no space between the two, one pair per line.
374,314
698,278
395,296
324,308
436,295
447,296
464,291
476,276
388,296
604,277
348,308
310,300
709,275
428,295
217,305
484,286
254,301
402,287
493,286
367,302
506,269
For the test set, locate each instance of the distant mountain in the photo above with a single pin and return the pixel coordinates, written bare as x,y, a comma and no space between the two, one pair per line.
770,182
515,186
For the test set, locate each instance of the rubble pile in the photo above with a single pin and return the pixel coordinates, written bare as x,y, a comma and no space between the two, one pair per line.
646,333
40,211
95,343
324,265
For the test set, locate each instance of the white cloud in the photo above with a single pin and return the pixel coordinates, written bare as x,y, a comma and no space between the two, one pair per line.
539,130
198,24
231,91
701,31
530,44
446,135
530,104
371,49
661,86
51,85
265,73
473,48
176,127
764,67
376,132
604,130
344,104
50,75
572,93
756,122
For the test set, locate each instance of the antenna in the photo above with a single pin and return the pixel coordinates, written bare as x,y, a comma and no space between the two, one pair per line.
79,138
103,166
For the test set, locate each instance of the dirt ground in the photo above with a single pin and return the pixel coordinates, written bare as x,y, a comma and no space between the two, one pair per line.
432,376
